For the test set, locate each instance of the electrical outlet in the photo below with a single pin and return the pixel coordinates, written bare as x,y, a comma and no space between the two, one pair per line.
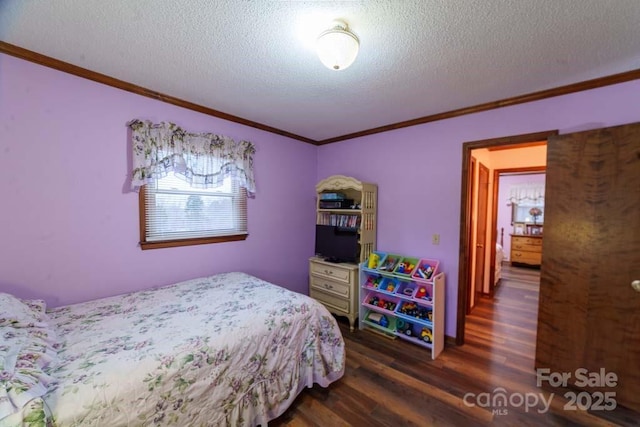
435,239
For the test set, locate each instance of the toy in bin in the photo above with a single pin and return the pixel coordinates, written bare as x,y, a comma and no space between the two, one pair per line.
426,335
374,259
378,318
408,291
390,264
382,303
422,293
425,271
414,310
373,282
404,328
405,268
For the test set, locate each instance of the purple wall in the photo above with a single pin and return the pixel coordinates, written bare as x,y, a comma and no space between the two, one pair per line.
418,169
69,226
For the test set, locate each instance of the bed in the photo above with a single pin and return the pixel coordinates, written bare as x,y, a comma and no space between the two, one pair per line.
229,349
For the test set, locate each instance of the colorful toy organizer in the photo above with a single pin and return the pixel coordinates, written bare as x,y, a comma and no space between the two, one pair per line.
403,296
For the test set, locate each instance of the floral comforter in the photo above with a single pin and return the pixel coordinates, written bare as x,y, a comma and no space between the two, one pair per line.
229,349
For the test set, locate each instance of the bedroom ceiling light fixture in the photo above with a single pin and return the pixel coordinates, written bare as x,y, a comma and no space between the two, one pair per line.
337,47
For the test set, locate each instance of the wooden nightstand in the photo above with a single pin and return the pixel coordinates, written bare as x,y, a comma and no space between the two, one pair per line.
335,286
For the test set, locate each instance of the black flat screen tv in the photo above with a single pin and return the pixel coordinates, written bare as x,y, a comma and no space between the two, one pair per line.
337,244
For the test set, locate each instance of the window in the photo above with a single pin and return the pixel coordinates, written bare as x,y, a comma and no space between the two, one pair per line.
172,213
193,186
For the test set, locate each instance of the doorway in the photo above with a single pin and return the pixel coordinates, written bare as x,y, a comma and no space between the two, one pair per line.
466,224
516,190
513,189
478,205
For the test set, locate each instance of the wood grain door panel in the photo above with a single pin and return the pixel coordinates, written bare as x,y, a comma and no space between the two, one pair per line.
481,227
589,315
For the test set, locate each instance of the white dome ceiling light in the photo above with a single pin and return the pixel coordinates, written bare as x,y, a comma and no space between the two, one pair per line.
337,47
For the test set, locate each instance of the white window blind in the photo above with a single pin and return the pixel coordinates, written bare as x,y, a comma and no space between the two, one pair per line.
175,211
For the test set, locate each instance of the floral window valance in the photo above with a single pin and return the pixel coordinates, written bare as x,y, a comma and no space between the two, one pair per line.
526,194
204,160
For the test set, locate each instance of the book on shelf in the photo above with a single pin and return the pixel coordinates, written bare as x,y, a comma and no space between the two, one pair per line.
339,220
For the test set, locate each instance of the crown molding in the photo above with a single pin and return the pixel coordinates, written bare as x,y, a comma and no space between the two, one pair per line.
66,67
521,99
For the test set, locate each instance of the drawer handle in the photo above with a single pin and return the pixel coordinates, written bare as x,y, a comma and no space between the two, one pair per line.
328,286
329,272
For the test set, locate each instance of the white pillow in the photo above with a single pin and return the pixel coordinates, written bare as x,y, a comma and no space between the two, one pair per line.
27,347
22,313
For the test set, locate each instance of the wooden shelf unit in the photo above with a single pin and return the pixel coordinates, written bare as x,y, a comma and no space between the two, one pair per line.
364,195
335,285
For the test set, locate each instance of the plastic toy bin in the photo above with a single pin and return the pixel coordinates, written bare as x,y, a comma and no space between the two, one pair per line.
426,269
389,263
388,286
414,312
373,281
414,332
406,266
375,260
380,302
423,293
371,318
406,289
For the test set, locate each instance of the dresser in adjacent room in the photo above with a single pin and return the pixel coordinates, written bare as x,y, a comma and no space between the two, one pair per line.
526,249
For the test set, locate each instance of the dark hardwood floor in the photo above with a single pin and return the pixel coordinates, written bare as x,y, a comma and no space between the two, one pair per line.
393,383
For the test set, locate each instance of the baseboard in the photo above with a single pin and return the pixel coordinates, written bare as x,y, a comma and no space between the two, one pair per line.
449,341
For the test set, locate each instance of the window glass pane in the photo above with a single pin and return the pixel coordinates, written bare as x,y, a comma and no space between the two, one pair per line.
173,210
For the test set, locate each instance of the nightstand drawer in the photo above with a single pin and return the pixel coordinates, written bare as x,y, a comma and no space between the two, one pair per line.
335,286
526,257
331,272
329,286
519,240
332,302
527,247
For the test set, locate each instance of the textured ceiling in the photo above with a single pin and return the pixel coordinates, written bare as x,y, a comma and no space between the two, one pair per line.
255,59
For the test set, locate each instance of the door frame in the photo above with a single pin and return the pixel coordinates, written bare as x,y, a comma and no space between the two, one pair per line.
464,257
469,201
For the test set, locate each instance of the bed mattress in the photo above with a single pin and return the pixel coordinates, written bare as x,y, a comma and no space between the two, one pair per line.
230,349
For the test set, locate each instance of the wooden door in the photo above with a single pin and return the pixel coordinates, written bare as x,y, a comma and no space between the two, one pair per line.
471,298
589,314
481,228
